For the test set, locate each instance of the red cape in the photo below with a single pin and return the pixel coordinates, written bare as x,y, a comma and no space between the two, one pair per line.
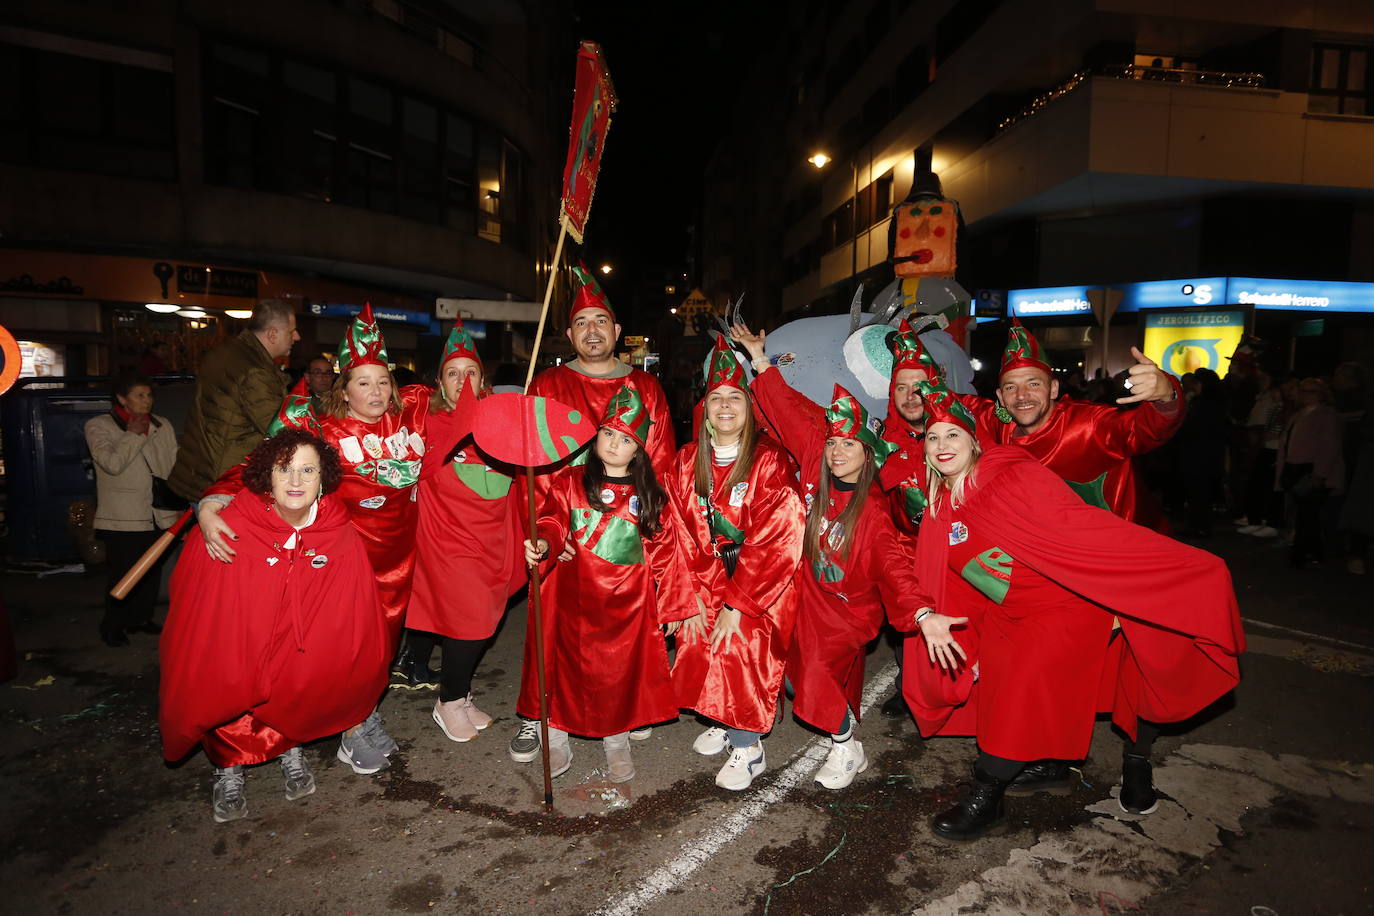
1177,606
278,647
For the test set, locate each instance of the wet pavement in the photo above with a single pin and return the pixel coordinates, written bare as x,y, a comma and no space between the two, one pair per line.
1268,798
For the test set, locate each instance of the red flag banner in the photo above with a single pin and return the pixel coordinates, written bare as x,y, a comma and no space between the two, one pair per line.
528,431
593,102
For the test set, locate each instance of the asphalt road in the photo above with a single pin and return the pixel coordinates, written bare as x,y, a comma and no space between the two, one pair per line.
1269,798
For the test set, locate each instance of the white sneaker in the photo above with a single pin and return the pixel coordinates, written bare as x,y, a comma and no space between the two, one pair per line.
846,761
711,742
1248,529
744,764
642,734
560,753
1266,531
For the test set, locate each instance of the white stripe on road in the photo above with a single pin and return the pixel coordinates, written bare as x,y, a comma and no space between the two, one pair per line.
1304,633
697,853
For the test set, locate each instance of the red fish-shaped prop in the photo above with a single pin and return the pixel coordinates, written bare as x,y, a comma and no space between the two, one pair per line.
528,431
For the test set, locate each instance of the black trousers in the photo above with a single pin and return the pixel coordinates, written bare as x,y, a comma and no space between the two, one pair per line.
459,660
122,550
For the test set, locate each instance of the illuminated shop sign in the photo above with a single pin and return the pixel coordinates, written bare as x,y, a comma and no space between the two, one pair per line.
1290,295
419,319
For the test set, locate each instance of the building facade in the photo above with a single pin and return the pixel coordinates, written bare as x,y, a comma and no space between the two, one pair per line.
204,155
1089,144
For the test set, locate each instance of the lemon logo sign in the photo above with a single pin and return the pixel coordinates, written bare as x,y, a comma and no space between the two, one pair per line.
1182,342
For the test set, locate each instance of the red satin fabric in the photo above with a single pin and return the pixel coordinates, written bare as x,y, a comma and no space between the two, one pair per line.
1082,441
904,473
469,558
275,649
836,620
740,688
606,662
1176,604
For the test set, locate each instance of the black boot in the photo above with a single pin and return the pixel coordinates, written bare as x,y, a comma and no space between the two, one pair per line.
1052,776
400,665
978,814
894,707
1137,785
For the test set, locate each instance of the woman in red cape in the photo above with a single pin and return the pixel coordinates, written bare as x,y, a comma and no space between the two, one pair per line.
286,644
734,491
854,563
468,558
606,663
1023,582
379,434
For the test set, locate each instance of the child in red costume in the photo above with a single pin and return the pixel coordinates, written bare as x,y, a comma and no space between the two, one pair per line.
606,664
734,491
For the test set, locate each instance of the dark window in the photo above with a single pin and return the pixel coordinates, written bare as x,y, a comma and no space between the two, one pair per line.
960,24
843,68
913,76
460,166
876,23
1341,79
238,92
489,186
876,111
62,111
838,227
310,131
419,160
882,196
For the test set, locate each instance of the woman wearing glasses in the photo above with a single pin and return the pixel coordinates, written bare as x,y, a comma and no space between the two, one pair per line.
284,645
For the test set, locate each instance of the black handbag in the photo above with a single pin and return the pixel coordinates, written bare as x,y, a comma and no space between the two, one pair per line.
166,499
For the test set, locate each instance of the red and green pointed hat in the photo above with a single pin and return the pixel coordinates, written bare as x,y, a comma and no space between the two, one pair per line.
909,353
589,294
362,345
846,418
295,412
725,368
627,414
942,406
1023,350
459,343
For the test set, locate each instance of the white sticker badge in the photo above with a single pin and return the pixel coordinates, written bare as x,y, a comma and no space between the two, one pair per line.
634,505
607,496
737,493
372,502
352,451
319,561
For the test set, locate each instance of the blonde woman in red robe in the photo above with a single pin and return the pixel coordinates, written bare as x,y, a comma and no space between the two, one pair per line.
735,494
468,556
606,663
379,433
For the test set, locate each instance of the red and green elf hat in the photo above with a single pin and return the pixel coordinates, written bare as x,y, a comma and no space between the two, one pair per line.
627,414
1023,350
846,418
589,294
724,368
459,343
362,345
295,412
942,406
909,353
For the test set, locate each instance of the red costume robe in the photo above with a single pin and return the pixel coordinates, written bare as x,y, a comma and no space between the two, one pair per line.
381,467
606,663
764,514
903,475
1090,446
840,602
469,558
1044,592
280,647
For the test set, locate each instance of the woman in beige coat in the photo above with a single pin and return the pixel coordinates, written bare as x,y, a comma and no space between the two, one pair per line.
130,447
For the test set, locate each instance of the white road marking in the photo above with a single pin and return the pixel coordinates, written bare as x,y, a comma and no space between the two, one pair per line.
1075,873
697,853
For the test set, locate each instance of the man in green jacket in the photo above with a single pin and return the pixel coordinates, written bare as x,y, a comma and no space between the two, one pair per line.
238,391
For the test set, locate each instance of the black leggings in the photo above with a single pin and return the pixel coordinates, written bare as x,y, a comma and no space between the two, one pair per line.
1006,770
460,661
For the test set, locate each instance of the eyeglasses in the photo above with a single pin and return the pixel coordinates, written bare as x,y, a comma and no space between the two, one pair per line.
309,472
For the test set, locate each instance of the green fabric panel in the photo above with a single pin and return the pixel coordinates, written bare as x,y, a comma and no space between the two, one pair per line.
486,484
915,501
721,527
825,570
1093,492
616,541
990,573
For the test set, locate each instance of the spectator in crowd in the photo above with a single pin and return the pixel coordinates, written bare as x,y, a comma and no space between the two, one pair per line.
1264,427
1311,466
131,447
1201,451
319,378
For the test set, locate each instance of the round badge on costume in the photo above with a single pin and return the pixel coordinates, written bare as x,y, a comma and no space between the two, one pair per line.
319,561
372,502
634,505
607,496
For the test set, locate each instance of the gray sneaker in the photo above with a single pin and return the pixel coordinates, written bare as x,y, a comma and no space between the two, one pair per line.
300,782
375,735
355,751
524,747
230,802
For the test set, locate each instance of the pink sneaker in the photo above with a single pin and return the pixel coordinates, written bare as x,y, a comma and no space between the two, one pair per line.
479,719
452,718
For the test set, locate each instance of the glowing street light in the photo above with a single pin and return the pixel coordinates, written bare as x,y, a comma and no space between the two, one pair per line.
606,269
819,160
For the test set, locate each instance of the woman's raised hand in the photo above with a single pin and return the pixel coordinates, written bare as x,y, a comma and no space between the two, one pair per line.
740,334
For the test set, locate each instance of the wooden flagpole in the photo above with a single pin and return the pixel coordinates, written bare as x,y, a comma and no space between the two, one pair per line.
150,556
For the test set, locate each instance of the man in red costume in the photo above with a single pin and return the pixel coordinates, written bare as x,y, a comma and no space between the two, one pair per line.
588,383
1091,447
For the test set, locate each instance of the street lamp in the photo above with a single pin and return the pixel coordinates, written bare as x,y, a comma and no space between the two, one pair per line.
606,269
819,160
